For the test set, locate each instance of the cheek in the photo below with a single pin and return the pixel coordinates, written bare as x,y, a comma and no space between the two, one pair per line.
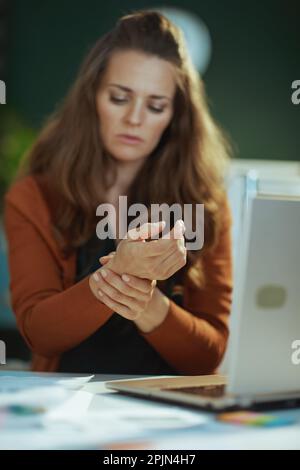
108,116
158,126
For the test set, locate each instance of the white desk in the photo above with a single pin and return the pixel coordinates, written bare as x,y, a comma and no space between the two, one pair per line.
94,418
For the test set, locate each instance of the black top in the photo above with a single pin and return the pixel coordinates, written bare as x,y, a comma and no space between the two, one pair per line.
116,347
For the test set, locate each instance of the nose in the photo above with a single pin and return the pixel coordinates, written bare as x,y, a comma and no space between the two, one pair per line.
134,115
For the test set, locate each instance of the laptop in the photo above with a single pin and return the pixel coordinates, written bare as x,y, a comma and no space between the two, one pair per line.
265,321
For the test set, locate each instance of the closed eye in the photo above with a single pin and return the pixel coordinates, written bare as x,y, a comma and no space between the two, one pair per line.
118,100
155,110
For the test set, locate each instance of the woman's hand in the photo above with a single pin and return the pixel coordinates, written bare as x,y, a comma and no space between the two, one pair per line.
126,295
156,259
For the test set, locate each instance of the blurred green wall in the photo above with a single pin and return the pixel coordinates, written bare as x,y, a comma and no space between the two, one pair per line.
256,56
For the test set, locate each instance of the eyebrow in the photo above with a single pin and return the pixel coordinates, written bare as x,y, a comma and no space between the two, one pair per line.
125,88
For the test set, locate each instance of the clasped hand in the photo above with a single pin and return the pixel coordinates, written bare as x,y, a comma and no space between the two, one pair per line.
127,281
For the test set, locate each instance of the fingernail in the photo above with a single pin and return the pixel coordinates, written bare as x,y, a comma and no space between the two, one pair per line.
103,272
125,278
100,293
96,277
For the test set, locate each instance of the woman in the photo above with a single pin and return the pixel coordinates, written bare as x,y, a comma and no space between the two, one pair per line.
135,123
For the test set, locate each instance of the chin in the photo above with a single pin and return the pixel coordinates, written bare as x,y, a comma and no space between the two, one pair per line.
127,156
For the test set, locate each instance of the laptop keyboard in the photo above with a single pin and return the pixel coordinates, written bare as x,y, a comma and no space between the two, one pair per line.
213,391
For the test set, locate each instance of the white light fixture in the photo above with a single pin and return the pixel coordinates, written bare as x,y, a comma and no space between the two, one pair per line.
196,34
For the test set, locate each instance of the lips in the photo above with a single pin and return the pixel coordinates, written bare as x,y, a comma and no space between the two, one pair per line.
129,138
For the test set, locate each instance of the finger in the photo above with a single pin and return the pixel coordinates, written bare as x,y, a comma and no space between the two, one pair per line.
132,302
125,287
165,244
154,248
104,260
142,285
176,232
162,246
147,230
118,308
109,256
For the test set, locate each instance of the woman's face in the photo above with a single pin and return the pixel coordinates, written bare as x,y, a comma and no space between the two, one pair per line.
134,104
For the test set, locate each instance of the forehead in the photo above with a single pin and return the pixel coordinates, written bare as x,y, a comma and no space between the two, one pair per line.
142,73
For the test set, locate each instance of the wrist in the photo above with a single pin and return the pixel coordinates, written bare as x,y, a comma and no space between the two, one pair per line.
155,313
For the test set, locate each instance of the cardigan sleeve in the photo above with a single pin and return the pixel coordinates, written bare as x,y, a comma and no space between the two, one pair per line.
193,339
50,318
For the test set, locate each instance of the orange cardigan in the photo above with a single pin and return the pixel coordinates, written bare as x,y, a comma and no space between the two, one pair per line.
54,314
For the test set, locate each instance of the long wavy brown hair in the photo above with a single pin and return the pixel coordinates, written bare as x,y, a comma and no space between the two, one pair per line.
187,165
